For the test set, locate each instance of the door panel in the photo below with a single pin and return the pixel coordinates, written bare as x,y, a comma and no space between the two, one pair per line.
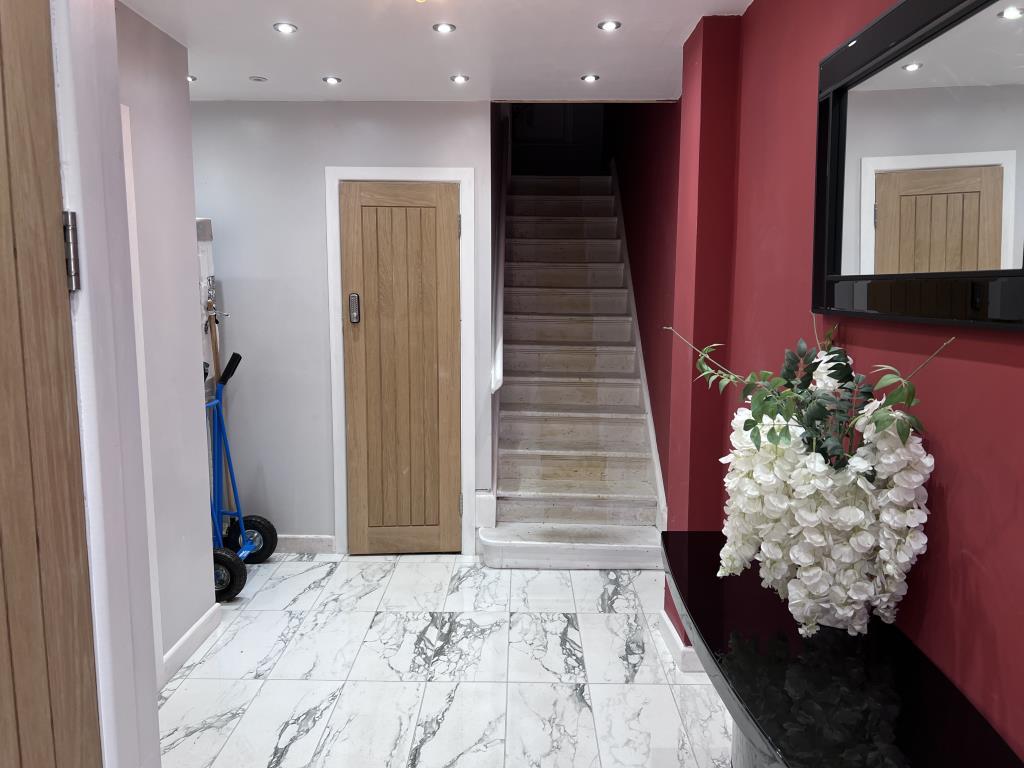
939,220
400,254
46,620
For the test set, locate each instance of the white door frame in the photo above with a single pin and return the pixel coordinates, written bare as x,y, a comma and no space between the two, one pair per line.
873,165
467,339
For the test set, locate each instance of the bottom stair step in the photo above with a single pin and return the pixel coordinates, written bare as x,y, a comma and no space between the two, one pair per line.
532,508
564,546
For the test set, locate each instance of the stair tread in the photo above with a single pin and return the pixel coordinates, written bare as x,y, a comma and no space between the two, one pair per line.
560,198
613,446
574,533
566,240
573,265
594,411
602,317
532,288
556,217
526,377
577,451
604,490
611,345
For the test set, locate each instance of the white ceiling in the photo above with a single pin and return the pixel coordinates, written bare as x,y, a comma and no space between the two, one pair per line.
984,50
386,49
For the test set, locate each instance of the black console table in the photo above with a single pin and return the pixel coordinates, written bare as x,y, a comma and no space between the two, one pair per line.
830,701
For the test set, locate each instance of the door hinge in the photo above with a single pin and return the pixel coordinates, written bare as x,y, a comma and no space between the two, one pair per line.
71,251
460,503
876,215
460,225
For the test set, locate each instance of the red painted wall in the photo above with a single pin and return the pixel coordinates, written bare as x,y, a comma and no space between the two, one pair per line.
965,608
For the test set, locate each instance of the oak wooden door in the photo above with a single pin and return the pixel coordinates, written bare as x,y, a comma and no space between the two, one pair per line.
48,708
939,220
400,278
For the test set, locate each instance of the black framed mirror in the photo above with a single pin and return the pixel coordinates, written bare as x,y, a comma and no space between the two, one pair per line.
919,211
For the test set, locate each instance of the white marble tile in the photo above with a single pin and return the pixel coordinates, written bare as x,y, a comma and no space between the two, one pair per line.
461,725
605,592
356,586
294,586
618,648
250,646
545,648
434,646
550,725
324,646
281,557
707,726
165,693
650,588
303,557
329,557
543,591
417,587
478,588
372,558
282,726
638,726
256,577
226,619
198,719
429,558
681,665
370,719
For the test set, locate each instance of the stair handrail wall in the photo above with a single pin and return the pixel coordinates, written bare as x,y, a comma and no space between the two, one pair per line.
503,149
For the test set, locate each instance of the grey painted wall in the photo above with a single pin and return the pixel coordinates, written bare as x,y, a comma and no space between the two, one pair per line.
930,121
152,80
259,170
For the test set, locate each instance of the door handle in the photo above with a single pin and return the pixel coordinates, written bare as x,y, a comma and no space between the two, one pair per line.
353,308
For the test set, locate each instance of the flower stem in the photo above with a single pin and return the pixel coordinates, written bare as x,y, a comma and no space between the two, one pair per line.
931,357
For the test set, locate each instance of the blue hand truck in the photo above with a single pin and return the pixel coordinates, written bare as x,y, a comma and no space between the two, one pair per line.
237,539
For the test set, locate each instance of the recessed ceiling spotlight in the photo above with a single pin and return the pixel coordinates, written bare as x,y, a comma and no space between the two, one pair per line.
286,28
590,78
609,25
459,79
332,80
258,78
191,78
913,66
1013,13
444,28
851,44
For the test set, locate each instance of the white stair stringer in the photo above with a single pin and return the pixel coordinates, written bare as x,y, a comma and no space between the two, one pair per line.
578,485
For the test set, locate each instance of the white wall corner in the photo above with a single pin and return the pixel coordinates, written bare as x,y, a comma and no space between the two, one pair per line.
684,656
486,509
182,650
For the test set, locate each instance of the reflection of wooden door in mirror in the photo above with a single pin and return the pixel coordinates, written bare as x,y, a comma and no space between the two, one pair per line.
938,220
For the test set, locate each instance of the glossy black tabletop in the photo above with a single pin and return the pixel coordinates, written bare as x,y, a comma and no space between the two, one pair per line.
829,701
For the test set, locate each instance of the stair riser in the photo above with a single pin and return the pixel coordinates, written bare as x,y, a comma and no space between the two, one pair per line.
568,330
544,302
554,206
560,185
588,469
557,228
552,361
563,252
590,393
521,511
564,276
608,434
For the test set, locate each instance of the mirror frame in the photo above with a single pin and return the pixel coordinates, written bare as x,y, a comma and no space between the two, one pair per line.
982,298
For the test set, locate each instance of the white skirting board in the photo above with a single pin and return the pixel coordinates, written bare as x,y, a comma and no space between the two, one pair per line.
182,650
305,545
486,509
683,655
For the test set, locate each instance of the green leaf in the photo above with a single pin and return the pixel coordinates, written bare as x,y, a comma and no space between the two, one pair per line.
749,424
785,436
801,347
914,422
903,430
773,436
722,384
755,437
888,380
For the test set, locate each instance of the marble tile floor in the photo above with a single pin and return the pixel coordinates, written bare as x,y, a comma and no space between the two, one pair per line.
328,661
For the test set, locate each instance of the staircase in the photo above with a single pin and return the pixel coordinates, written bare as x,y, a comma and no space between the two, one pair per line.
576,477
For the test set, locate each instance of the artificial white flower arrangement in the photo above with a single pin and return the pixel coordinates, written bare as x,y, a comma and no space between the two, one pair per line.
826,485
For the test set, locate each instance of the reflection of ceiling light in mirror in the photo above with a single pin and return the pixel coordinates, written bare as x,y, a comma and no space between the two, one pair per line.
851,44
1013,13
332,80
914,66
444,28
609,26
286,28
459,79
191,78
590,78
258,78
